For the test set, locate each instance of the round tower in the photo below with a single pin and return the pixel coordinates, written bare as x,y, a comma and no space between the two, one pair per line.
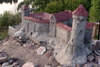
78,27
75,52
77,35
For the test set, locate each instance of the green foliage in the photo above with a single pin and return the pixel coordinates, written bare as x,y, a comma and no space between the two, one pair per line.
95,11
3,34
54,7
7,19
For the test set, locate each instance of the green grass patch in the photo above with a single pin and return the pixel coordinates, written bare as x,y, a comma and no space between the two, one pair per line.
3,34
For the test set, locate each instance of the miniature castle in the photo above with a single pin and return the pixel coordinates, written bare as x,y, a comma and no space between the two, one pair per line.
60,25
65,26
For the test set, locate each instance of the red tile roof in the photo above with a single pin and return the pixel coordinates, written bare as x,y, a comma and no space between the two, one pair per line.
25,7
36,20
89,25
63,16
41,17
64,26
81,11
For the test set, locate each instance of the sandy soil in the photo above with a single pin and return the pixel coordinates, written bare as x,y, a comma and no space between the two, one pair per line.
14,49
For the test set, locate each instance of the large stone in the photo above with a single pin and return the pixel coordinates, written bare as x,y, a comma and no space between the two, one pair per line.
87,65
5,64
99,61
47,66
90,58
28,64
41,50
3,57
97,58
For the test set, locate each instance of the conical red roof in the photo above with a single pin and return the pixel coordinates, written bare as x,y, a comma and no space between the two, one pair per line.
81,11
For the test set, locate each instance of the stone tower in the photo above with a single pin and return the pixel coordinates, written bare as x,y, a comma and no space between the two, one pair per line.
78,31
53,22
24,12
75,52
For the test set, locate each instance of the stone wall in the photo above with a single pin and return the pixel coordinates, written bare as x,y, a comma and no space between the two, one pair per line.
13,30
63,35
68,22
88,36
31,27
42,27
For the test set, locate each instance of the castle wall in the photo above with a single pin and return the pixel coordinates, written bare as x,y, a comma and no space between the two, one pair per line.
68,22
88,36
31,27
42,27
63,35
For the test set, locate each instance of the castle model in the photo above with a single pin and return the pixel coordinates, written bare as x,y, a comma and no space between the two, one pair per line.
61,25
65,26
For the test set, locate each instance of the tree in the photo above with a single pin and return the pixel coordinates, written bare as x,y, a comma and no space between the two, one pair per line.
54,7
73,4
95,11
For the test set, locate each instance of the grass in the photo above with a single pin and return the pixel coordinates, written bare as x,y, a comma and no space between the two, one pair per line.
3,34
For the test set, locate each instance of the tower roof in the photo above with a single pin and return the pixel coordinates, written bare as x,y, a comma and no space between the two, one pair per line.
25,7
81,11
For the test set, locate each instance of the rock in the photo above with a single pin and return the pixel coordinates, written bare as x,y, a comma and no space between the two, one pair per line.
9,66
90,58
87,65
29,64
0,65
20,35
33,44
47,66
15,64
97,58
3,57
11,60
5,64
41,50
95,65
59,66
48,54
78,65
51,58
99,61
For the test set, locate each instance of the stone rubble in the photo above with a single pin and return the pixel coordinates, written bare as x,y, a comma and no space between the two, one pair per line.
3,57
41,50
92,61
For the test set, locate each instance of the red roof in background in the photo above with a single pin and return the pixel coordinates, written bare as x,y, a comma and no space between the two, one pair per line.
64,26
37,20
41,15
63,16
89,25
25,7
81,11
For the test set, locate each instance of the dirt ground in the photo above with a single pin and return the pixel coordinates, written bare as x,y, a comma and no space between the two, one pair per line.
24,54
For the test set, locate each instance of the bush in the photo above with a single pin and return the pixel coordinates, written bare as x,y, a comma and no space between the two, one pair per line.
7,19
